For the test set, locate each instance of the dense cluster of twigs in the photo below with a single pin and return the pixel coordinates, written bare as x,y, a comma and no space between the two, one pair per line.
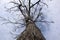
26,11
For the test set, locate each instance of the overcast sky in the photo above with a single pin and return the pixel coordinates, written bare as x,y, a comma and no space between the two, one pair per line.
53,13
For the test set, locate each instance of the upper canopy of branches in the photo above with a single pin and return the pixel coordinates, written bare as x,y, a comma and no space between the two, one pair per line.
27,11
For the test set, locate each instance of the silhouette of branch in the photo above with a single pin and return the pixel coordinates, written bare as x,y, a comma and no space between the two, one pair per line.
14,2
35,3
12,22
20,1
39,14
9,21
38,3
18,5
44,4
11,8
44,21
36,9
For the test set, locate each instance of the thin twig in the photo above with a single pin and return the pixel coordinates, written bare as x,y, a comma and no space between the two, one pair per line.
14,2
12,7
20,1
45,21
44,4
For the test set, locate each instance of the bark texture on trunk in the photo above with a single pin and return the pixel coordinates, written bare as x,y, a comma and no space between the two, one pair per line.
32,32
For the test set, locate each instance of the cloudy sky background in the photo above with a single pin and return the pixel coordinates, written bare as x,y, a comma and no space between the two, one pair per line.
53,13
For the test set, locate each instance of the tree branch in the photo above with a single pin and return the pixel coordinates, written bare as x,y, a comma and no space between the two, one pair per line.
29,7
14,2
9,21
45,21
35,9
35,3
26,8
19,7
44,4
39,14
11,8
20,1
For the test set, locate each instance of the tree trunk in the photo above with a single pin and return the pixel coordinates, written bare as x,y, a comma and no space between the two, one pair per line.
32,32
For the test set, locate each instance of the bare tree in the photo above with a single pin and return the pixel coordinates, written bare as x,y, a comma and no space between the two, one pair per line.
31,14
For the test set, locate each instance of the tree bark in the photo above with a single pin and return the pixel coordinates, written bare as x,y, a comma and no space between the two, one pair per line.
32,32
